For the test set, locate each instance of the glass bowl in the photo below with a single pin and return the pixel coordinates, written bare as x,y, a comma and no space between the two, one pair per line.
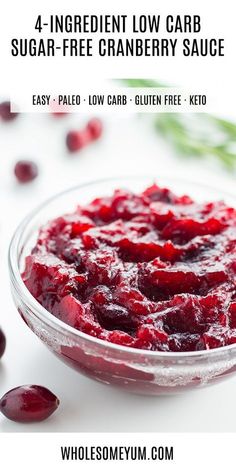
136,370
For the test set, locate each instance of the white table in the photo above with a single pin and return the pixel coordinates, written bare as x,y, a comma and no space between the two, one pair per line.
129,145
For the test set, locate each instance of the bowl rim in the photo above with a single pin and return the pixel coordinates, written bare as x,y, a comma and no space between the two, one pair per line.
51,320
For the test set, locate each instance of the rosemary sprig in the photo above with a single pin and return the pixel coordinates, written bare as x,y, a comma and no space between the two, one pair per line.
189,137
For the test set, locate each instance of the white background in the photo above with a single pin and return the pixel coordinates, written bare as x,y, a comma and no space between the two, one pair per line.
193,452
17,20
129,145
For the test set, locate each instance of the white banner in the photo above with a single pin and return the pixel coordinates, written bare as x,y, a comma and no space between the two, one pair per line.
105,452
108,98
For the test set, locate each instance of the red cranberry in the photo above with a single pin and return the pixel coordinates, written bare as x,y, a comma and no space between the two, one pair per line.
28,403
94,128
25,171
101,295
76,140
112,316
59,114
58,110
5,112
2,343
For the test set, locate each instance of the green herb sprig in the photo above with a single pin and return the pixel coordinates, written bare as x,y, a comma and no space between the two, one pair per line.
198,135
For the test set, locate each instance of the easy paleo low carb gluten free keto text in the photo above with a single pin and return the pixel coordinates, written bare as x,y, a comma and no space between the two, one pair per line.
152,271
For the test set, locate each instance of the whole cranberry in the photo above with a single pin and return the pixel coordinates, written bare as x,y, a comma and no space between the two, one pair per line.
57,109
76,140
59,114
25,171
28,403
5,112
94,128
101,295
2,343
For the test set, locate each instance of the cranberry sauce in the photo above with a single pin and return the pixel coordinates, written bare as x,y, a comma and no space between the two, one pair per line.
151,271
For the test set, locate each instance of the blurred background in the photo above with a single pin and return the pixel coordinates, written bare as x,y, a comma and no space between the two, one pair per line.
196,147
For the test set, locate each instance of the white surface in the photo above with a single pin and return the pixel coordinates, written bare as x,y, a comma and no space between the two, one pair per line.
129,145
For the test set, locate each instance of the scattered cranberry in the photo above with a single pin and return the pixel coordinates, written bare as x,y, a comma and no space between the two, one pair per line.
25,171
5,112
2,343
94,128
59,114
28,403
58,110
76,140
